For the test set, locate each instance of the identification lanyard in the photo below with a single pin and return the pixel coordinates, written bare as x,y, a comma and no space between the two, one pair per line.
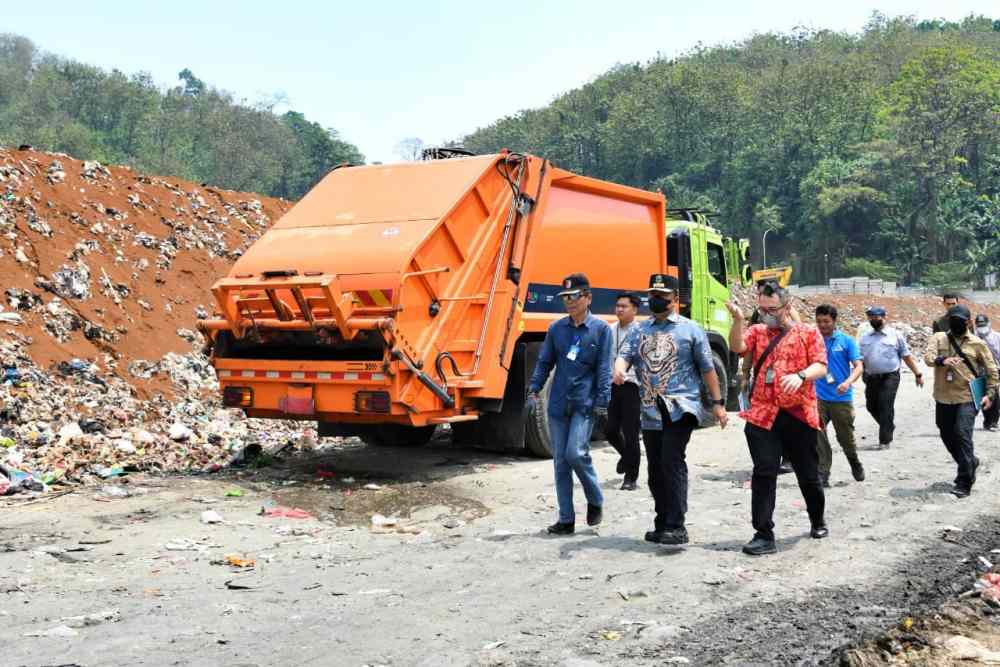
574,349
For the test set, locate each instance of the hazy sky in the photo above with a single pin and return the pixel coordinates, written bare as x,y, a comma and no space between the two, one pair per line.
378,72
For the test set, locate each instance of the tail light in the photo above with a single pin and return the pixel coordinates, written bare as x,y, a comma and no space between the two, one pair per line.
372,401
237,397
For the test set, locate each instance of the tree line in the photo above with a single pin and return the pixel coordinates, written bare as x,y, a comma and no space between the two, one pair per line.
872,153
191,130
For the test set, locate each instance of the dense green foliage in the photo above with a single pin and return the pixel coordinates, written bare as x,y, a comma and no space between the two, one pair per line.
192,130
883,145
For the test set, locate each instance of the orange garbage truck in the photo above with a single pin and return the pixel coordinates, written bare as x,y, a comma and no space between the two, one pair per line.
395,298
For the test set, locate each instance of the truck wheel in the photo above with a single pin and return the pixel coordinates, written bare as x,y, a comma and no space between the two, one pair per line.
397,435
720,370
536,426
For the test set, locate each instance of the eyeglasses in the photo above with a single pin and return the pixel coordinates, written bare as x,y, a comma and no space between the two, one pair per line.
570,298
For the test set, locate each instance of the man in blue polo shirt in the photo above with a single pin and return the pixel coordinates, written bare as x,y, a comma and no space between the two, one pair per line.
578,346
836,395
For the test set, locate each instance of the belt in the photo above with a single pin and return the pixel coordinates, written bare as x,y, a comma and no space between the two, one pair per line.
882,375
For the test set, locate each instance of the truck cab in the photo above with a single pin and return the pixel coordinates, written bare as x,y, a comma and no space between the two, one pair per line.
708,265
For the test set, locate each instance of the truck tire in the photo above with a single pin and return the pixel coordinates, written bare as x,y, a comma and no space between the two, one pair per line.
536,426
723,373
397,435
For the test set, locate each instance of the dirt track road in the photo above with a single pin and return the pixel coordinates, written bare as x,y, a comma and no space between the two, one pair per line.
479,584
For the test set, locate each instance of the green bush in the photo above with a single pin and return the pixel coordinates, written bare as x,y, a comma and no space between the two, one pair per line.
871,268
949,274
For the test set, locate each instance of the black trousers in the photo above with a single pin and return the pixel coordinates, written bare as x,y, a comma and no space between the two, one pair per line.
797,441
666,458
880,400
624,424
956,423
991,417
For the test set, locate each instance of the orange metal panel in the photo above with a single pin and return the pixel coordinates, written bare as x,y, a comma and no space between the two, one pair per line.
386,193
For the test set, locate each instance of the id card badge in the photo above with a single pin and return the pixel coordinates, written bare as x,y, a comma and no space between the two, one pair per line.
744,401
769,376
574,350
829,378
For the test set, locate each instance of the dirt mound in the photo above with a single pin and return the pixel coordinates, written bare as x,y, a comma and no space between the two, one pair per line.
104,273
105,264
912,316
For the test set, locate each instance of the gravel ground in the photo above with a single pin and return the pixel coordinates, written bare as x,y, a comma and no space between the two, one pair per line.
458,572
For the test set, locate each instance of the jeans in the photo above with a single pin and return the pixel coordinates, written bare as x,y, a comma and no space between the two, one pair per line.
880,399
797,441
956,423
624,426
842,416
666,453
571,453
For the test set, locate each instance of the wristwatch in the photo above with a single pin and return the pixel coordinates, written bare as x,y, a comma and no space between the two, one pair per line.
719,401
802,375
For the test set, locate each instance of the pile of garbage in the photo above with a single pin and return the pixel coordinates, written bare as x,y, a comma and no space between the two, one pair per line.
76,422
104,275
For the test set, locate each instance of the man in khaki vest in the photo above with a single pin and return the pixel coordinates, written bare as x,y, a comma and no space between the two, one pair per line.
958,357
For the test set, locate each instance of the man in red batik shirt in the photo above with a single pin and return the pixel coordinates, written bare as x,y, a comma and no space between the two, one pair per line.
783,416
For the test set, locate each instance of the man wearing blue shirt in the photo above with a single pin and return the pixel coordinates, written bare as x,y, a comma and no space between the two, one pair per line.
882,350
579,348
671,357
836,396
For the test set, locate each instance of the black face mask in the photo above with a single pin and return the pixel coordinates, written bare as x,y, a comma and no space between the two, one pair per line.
657,304
877,324
958,326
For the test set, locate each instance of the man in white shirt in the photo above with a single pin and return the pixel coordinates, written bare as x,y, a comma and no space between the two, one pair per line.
884,350
623,426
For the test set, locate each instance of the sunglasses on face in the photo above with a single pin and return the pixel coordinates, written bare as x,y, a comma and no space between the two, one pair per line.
570,298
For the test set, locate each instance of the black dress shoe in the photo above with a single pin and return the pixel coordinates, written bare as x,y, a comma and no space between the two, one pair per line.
654,536
629,485
961,491
620,468
819,531
825,481
759,546
595,514
785,468
561,529
858,471
677,536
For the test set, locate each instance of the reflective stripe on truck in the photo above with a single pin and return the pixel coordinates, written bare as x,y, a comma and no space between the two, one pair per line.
298,375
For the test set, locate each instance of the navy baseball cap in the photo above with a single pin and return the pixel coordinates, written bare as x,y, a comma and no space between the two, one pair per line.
663,282
982,320
960,311
574,284
876,311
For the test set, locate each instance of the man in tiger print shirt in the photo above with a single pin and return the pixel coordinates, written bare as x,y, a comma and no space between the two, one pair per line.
671,356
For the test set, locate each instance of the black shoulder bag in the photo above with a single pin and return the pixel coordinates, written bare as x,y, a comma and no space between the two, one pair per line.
955,346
